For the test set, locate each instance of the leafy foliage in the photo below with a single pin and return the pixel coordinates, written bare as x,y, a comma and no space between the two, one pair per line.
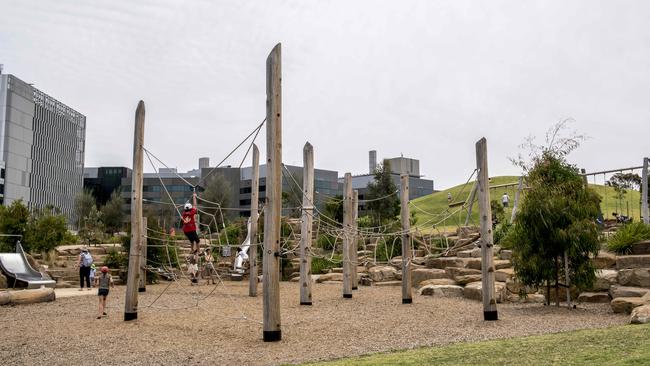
83,204
621,242
112,213
13,221
334,209
322,265
382,190
92,229
558,214
217,190
45,231
115,259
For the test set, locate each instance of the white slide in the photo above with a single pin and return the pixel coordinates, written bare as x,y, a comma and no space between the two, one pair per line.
19,273
242,256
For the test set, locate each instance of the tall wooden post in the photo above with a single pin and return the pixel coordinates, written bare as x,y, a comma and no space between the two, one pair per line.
252,250
407,298
354,248
306,226
520,186
472,197
142,281
644,192
273,209
131,302
485,214
567,279
347,236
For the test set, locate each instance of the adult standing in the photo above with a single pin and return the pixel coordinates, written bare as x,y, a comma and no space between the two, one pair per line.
84,263
505,199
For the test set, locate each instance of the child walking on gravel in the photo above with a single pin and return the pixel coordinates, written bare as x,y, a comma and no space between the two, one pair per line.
104,281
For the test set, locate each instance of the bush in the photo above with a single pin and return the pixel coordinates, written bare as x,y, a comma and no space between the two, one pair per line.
621,242
45,231
321,265
326,241
500,233
389,247
116,260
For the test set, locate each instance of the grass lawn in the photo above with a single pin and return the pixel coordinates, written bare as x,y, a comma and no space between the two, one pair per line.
623,345
437,204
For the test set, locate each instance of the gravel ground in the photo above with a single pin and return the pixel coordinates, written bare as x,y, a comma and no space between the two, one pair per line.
174,331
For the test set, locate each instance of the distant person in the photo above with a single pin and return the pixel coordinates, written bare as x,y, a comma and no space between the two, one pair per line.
189,224
449,197
103,282
208,267
93,270
505,199
84,263
193,267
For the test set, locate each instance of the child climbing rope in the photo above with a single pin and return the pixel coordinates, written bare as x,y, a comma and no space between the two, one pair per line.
193,267
208,267
104,281
189,223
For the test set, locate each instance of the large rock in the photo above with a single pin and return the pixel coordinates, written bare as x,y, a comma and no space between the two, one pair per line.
502,264
528,299
626,304
474,263
444,262
627,291
454,272
382,273
605,278
464,280
504,274
605,260
640,315
437,281
441,291
634,277
474,291
471,253
633,261
388,283
423,274
330,277
594,297
642,247
506,254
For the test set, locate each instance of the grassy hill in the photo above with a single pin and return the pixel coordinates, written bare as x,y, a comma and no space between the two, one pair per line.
433,208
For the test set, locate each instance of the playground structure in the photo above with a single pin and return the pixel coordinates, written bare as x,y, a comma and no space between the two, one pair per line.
20,273
272,246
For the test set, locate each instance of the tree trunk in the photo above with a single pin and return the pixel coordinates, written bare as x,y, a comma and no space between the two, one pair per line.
557,282
548,292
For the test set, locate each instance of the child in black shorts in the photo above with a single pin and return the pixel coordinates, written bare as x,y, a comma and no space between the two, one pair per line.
103,282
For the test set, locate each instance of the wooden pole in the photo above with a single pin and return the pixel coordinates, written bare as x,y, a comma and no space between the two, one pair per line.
354,248
142,281
520,186
347,236
567,279
472,197
273,209
485,214
131,301
306,226
407,297
584,176
252,250
644,192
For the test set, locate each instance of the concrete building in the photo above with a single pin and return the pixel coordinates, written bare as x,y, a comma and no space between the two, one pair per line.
102,181
42,142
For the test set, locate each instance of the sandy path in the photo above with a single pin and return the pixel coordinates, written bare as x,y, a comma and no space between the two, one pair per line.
66,332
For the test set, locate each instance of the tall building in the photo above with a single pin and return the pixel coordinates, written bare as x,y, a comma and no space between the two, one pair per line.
42,142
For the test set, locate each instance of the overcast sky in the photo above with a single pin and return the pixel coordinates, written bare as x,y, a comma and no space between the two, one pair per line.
425,79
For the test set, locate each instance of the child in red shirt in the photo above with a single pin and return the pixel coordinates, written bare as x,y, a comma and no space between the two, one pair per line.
189,224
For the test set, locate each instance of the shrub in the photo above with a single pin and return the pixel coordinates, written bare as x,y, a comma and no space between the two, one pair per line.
325,241
500,233
116,260
321,265
389,247
621,242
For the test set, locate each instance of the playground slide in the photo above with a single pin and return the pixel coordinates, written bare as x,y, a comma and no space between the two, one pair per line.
19,273
243,252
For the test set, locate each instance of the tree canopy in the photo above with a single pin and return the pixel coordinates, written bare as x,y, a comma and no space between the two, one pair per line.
385,206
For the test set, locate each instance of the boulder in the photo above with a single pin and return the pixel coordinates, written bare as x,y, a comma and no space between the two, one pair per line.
639,277
474,263
330,277
605,278
506,254
444,262
423,274
464,280
633,261
437,281
382,273
474,291
642,247
454,272
441,291
528,299
605,260
627,291
594,297
626,304
421,261
470,253
3,281
640,315
388,283
502,264
27,296
504,274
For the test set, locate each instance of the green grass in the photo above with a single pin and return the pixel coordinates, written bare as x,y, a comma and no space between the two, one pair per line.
621,345
436,203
